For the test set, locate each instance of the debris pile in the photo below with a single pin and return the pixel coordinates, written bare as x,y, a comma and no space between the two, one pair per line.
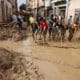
15,66
12,34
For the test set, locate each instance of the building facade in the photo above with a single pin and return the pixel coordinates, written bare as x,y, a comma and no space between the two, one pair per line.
59,7
74,9
41,7
37,6
1,18
6,9
14,5
66,8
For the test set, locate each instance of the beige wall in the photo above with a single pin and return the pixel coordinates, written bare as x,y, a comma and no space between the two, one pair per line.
31,4
41,3
74,4
9,10
35,3
2,10
14,4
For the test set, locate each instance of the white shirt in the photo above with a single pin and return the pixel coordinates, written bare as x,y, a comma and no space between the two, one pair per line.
14,18
20,17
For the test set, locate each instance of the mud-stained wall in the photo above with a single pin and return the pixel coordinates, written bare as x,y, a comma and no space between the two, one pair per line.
5,10
0,12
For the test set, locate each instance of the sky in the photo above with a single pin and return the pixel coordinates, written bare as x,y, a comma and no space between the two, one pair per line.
21,2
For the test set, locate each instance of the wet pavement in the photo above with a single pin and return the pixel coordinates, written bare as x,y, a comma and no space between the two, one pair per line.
54,62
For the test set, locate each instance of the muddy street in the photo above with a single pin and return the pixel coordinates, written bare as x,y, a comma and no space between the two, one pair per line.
39,40
55,63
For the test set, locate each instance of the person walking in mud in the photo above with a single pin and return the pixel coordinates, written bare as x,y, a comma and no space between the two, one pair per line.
69,20
34,26
72,31
20,21
63,28
51,22
14,20
72,28
44,28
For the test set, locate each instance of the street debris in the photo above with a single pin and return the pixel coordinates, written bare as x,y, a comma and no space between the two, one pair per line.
15,66
12,33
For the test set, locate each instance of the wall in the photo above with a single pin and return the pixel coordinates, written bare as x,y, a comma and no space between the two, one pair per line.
14,5
9,10
0,12
5,10
74,4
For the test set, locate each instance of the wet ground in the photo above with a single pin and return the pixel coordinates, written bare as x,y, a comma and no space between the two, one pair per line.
55,62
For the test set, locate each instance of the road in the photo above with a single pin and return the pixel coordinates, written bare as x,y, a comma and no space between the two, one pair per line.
54,62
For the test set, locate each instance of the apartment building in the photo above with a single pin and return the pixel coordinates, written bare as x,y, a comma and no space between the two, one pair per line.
59,7
37,6
41,7
64,8
48,7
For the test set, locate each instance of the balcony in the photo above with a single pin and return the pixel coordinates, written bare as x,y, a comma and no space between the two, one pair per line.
60,2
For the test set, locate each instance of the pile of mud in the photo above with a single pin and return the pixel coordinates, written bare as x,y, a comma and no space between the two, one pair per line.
12,34
15,66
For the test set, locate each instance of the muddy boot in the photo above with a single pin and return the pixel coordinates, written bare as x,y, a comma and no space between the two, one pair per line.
70,37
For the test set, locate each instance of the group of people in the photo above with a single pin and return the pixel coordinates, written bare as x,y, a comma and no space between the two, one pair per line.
17,20
53,27
39,27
